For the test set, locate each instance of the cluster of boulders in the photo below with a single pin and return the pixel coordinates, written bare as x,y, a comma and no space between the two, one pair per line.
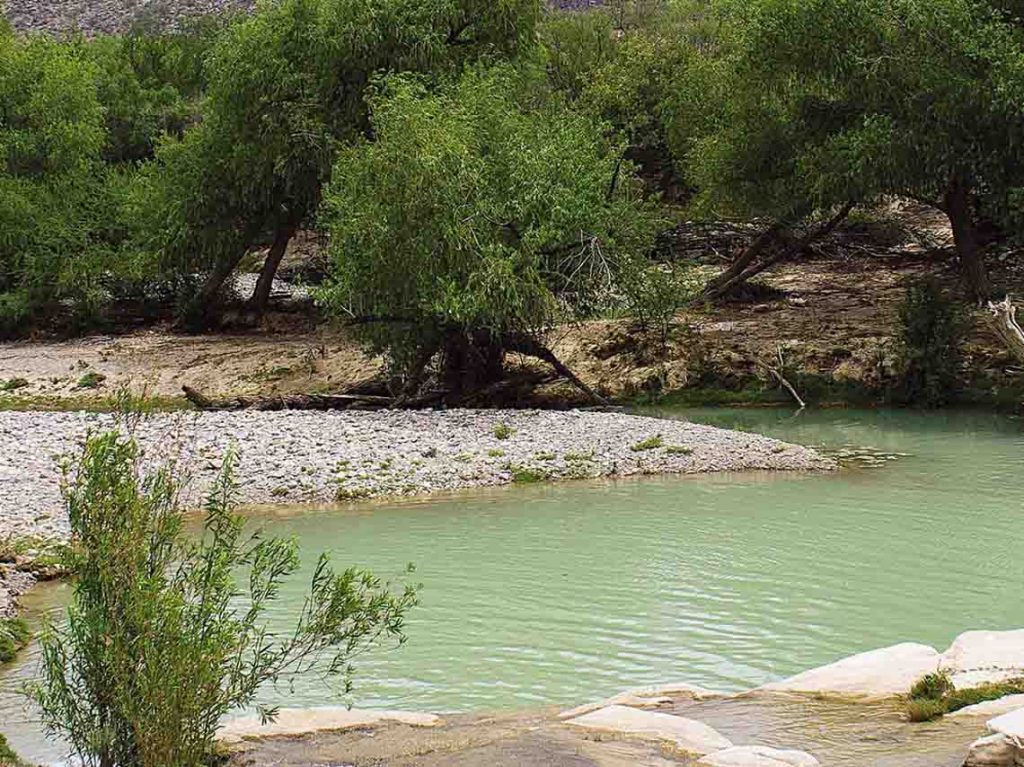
975,658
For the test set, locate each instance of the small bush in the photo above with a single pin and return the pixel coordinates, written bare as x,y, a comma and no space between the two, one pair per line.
496,453
651,443
503,431
160,641
90,381
13,384
679,450
932,686
931,334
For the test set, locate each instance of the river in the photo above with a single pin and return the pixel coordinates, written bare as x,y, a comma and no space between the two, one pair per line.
559,594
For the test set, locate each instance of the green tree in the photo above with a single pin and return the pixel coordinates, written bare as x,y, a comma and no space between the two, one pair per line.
286,88
829,103
159,641
477,218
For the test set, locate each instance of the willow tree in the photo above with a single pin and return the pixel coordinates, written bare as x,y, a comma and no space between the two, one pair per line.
479,216
286,89
829,103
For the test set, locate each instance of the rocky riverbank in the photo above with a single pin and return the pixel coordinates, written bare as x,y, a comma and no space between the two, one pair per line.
846,714
321,458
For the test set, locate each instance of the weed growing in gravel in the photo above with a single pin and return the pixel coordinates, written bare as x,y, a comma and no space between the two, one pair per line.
651,443
545,456
572,457
496,453
503,431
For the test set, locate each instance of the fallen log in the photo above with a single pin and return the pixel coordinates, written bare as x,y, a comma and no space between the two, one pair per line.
288,401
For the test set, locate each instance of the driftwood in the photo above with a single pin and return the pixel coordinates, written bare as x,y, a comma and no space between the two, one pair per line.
1004,323
288,401
782,379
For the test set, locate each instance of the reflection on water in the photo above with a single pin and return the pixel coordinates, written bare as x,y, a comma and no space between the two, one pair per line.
566,593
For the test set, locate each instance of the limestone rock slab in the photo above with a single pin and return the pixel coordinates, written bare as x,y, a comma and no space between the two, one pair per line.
687,735
646,697
874,674
978,657
758,756
302,721
996,750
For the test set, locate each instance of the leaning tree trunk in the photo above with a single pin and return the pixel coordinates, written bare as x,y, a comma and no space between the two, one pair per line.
265,283
200,313
959,209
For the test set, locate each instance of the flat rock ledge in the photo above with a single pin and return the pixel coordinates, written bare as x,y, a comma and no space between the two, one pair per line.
318,458
295,722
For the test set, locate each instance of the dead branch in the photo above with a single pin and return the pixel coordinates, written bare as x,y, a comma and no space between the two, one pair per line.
1004,322
531,347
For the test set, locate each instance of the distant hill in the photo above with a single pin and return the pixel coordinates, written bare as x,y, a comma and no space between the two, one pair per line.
112,16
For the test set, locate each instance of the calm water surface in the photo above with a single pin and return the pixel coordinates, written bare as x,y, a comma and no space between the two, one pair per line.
562,594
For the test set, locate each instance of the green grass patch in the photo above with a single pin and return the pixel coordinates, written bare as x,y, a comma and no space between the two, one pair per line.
496,453
90,380
14,635
933,696
91,404
13,384
651,443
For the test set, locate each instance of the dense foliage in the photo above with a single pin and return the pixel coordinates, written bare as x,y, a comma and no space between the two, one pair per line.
160,642
478,216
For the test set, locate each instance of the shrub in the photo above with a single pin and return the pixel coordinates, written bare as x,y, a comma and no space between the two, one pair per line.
933,686
931,334
157,645
481,215
7,756
13,384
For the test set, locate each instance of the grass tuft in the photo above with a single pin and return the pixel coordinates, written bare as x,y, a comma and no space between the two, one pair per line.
651,443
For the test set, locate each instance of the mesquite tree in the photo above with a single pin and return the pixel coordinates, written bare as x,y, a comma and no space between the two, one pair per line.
479,216
286,89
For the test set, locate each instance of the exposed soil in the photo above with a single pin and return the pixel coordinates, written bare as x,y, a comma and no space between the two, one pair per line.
827,321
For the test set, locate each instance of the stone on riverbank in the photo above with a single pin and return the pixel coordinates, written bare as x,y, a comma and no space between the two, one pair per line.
983,657
758,756
996,750
872,675
293,722
646,697
996,707
686,735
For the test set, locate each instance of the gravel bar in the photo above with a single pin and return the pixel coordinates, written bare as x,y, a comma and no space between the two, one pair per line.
307,457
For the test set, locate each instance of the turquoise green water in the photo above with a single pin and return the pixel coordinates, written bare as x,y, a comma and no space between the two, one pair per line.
563,594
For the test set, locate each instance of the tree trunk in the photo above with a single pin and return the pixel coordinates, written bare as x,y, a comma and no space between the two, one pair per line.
1004,322
968,243
261,294
715,286
200,314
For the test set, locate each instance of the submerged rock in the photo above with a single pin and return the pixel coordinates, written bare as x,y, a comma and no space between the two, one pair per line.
758,756
996,750
870,675
687,735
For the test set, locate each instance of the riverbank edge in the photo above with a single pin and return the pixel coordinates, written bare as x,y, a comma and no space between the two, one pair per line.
884,674
341,457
